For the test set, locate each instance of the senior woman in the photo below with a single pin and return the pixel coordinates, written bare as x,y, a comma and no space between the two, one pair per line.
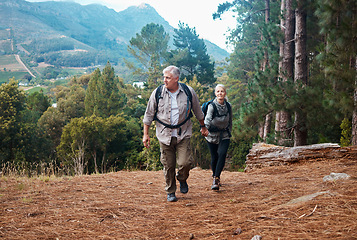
218,121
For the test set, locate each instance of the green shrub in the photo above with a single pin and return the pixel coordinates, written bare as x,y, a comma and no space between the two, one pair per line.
346,133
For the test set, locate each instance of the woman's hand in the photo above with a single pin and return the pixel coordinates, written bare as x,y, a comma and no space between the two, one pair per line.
204,131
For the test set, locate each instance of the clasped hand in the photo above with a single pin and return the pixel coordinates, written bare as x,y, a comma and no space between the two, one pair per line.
204,131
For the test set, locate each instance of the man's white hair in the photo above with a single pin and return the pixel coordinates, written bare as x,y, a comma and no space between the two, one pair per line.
175,71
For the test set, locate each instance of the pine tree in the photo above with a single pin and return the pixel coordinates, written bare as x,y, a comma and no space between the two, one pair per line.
150,48
191,55
92,94
338,22
103,98
300,77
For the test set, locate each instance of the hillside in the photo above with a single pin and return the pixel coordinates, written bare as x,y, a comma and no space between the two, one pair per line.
281,202
72,35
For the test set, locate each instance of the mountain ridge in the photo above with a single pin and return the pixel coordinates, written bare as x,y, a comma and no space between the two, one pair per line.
102,33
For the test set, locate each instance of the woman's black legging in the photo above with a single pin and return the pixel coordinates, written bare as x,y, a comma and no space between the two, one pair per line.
218,156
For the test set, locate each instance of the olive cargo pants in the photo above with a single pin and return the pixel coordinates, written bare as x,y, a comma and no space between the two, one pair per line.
176,153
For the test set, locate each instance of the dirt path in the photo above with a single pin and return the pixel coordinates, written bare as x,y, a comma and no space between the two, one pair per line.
18,59
132,205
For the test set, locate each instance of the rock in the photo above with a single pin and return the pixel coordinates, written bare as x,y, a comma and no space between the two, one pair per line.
263,155
336,176
306,197
237,231
257,237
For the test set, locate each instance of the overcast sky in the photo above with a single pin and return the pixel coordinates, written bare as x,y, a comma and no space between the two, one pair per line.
195,13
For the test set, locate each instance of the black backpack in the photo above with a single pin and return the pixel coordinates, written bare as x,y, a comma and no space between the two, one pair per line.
189,106
216,114
215,110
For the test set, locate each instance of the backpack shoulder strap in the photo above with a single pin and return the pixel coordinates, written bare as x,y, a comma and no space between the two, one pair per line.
216,113
187,91
158,93
215,110
189,99
229,107
157,98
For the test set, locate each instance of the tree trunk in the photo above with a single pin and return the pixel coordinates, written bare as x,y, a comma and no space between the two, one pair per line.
286,70
261,130
267,11
281,54
104,165
267,125
264,129
78,156
300,77
354,114
94,155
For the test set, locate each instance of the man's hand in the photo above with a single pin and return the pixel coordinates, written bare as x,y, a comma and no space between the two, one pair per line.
146,138
204,130
146,141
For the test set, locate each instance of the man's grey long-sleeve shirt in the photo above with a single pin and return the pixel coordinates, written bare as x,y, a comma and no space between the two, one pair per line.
163,133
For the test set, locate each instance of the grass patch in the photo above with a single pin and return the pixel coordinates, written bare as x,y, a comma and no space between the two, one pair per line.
20,186
44,178
75,71
27,200
5,76
37,89
7,60
27,171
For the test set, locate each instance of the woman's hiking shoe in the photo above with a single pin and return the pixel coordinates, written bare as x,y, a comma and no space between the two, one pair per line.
215,184
171,197
183,187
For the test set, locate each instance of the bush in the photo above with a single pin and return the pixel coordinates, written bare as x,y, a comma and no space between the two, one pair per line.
346,133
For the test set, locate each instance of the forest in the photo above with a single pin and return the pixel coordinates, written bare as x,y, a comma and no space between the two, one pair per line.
291,80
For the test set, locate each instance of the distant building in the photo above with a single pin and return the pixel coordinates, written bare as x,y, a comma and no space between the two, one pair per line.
138,84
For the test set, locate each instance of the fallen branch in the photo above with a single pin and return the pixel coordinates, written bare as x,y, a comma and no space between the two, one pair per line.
304,215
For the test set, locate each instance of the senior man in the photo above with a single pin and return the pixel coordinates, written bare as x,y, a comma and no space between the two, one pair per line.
170,106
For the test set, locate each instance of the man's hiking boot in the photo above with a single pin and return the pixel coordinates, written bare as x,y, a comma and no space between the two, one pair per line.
215,184
171,197
183,187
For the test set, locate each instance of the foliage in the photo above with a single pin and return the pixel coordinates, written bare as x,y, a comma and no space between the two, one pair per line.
151,156
239,149
38,103
346,133
191,55
338,23
51,72
79,58
51,124
102,96
199,147
97,125
49,45
93,144
12,104
326,98
74,145
70,101
150,49
21,141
